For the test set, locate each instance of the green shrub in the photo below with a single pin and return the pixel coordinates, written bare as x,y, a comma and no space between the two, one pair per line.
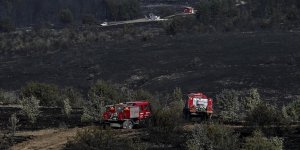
48,94
30,108
66,16
251,100
93,108
177,95
104,90
67,107
292,110
213,137
259,141
228,102
164,118
165,124
92,138
7,98
75,97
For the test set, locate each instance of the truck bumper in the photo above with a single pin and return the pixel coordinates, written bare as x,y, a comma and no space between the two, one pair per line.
115,125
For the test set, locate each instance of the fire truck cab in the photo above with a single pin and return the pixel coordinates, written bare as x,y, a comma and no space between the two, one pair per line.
127,115
198,105
188,10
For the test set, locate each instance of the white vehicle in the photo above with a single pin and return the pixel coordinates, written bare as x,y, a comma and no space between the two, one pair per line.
104,24
153,17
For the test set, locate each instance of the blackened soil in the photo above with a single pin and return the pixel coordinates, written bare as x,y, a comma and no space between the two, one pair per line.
206,62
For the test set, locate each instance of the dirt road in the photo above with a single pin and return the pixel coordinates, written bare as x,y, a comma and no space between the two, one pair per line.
46,139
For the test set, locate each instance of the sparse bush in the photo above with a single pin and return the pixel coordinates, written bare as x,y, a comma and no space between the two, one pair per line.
165,118
2,98
177,104
93,109
74,97
67,107
177,95
292,111
229,105
213,137
264,114
30,108
165,123
66,16
259,141
92,138
96,138
13,124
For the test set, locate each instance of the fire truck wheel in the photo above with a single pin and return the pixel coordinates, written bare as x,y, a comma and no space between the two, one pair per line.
188,116
127,124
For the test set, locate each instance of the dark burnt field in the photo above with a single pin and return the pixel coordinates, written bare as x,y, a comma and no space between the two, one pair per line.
48,118
205,62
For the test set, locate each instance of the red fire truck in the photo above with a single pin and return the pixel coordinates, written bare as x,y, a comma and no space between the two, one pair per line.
127,115
198,105
188,10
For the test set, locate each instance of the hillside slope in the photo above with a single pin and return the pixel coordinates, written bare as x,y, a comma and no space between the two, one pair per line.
206,62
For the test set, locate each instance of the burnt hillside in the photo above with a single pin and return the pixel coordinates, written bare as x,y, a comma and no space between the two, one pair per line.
206,62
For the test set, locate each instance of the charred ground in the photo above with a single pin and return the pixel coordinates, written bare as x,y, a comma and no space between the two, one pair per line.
206,62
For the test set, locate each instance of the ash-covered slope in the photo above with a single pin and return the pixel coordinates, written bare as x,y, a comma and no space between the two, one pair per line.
210,63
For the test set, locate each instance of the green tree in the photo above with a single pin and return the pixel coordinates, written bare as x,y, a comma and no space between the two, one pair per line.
93,109
100,94
106,91
229,105
251,100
